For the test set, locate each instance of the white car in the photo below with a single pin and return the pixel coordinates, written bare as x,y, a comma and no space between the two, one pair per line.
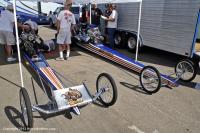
76,9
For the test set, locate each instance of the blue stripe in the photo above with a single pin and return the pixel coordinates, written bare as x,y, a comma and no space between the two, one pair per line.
21,8
195,35
26,14
43,58
39,18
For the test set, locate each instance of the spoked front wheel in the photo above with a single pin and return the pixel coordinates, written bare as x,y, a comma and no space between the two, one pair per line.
26,109
150,79
185,70
106,85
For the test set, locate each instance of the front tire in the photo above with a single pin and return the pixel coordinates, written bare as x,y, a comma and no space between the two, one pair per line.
26,109
150,79
109,94
186,70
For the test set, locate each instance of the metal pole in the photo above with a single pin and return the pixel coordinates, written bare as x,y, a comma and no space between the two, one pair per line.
138,34
90,13
17,39
39,7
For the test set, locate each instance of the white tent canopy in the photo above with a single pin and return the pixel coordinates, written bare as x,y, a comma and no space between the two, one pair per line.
79,2
92,1
104,1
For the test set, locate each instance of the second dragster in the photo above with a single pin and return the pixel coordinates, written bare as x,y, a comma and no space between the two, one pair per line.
90,38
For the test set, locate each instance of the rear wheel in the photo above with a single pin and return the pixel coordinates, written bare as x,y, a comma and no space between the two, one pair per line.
131,43
26,109
150,79
118,40
106,84
186,70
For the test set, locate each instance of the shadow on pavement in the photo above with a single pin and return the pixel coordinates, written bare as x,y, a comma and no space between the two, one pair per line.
15,117
10,82
189,84
98,103
136,88
66,114
47,55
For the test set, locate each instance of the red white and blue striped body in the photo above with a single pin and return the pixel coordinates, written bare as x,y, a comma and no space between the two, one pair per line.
123,60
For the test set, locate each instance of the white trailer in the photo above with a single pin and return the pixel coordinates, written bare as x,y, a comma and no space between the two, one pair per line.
169,25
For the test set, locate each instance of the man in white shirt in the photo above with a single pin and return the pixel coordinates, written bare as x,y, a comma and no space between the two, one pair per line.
6,31
111,24
65,23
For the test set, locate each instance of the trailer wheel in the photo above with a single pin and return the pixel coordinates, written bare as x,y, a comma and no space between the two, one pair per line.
109,89
150,79
131,43
118,40
186,70
26,109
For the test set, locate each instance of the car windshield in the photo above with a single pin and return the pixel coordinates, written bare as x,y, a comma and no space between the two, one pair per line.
75,10
59,9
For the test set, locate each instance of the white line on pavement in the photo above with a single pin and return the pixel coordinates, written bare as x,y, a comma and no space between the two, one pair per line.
133,127
155,131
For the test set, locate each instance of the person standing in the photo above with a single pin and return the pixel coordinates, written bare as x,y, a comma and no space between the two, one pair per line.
96,15
65,23
111,24
84,17
6,31
107,13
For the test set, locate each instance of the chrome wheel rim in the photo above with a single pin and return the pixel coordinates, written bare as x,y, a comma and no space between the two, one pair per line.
185,70
150,79
105,84
118,39
131,43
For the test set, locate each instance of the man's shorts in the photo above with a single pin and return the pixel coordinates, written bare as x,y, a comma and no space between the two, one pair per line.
64,37
7,38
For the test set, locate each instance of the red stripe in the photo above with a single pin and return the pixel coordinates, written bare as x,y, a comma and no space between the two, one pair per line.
50,77
55,77
46,74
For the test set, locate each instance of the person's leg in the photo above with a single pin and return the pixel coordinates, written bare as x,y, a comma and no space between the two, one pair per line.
68,51
3,45
10,41
60,46
9,50
111,32
112,38
60,42
108,31
68,42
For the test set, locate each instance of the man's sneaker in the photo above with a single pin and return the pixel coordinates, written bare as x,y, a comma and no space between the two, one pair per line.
60,59
11,59
66,58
